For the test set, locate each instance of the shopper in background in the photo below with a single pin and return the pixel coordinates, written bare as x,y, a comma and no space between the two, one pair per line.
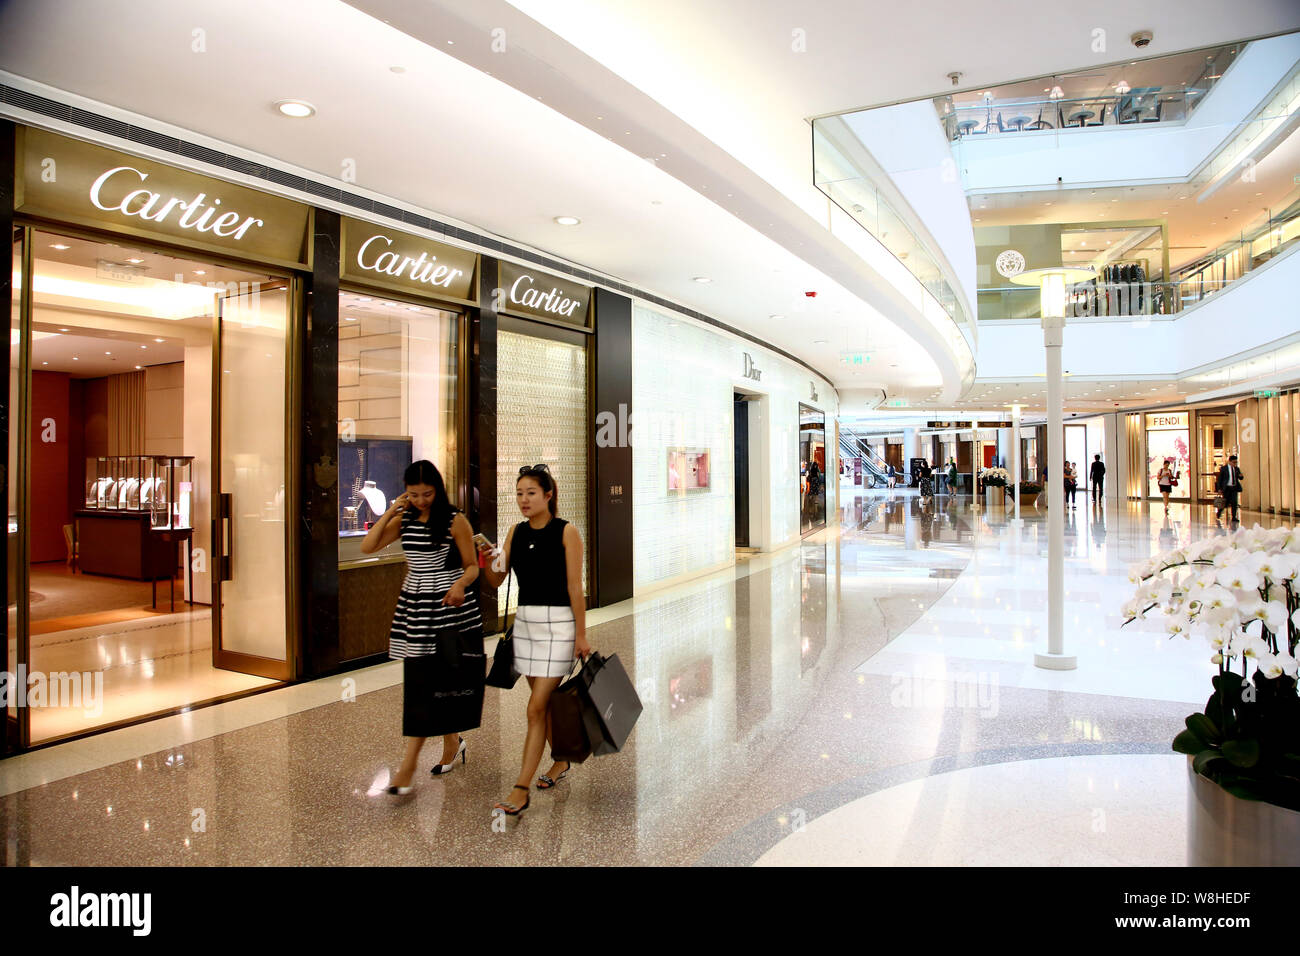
1097,475
1071,482
1165,481
437,632
545,552
892,477
954,479
1228,484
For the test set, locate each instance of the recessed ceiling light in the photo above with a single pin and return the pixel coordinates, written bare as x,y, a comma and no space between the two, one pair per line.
350,318
63,330
144,346
75,359
819,341
60,246
295,109
108,353
397,69
451,43
776,316
702,279
200,272
159,340
139,366
45,363
135,260
567,220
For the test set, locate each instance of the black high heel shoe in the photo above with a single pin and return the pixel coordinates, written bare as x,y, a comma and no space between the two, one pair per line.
441,768
509,809
544,782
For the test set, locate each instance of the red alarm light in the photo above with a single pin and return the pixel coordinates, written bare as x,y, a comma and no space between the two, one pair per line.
811,295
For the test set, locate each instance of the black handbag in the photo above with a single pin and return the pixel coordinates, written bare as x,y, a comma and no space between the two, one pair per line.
502,673
610,703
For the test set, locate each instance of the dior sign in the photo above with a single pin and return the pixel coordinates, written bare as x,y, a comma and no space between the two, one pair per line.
751,370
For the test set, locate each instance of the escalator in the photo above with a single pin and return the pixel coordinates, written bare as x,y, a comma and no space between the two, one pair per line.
875,470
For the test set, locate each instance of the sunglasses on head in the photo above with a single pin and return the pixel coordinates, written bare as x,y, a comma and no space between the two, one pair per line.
529,469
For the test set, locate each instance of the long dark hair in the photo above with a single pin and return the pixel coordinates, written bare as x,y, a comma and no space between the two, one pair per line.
546,482
424,472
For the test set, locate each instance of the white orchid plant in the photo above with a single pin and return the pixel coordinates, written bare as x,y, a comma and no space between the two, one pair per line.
1240,592
995,477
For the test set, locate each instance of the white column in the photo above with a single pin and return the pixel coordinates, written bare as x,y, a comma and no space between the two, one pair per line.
1053,333
1015,461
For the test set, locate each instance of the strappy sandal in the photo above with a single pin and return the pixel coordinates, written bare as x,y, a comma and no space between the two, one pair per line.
509,809
546,783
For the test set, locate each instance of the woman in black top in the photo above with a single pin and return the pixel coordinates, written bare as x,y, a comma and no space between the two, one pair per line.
550,630
437,631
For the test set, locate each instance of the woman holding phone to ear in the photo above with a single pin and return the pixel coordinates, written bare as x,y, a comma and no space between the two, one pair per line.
545,552
437,631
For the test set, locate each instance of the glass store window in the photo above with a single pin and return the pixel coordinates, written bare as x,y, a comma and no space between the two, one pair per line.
397,404
812,468
120,581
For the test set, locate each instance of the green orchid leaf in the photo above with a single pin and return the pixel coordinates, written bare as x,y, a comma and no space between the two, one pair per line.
1204,728
1203,759
1242,753
1187,742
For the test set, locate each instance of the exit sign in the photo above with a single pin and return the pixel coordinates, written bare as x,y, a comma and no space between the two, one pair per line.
1266,393
896,403
854,358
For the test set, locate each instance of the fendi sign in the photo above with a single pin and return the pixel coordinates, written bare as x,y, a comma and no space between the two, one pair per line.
377,254
526,291
68,180
1165,421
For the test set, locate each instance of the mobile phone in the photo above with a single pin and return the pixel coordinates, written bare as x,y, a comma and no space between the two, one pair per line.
481,539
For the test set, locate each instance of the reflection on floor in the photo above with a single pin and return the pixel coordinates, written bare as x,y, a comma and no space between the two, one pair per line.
131,660
865,695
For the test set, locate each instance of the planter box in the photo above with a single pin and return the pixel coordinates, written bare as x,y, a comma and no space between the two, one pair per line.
1223,830
993,495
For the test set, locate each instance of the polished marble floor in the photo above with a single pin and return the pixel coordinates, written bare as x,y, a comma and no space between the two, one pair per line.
865,696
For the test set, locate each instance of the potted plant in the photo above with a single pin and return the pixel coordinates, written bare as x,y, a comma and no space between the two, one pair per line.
1029,492
995,483
1240,592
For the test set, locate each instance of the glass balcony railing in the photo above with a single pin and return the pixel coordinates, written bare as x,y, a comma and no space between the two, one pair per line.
1110,298
852,190
1045,114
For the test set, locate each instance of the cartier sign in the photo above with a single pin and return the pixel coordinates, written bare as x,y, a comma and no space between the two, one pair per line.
526,291
377,254
68,180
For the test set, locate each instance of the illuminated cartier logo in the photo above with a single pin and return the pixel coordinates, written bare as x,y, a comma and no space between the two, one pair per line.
145,204
424,269
554,301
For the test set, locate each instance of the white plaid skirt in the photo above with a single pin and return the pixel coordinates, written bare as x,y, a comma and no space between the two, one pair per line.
543,640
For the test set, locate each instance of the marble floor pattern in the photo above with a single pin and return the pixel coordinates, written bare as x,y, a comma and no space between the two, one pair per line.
866,696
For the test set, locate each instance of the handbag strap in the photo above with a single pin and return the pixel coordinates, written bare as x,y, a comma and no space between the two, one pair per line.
505,611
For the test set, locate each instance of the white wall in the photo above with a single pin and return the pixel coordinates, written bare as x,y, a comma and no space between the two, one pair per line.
684,376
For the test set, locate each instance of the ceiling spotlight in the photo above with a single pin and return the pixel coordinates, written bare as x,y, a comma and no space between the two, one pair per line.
702,279
64,330
139,366
567,220
144,346
200,272
135,260
160,340
776,316
295,109
1121,87
60,246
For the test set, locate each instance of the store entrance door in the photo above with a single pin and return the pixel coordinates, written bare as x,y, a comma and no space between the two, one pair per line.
740,409
250,447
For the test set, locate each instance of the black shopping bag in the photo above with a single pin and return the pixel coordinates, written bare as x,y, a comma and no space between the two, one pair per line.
612,703
443,693
569,739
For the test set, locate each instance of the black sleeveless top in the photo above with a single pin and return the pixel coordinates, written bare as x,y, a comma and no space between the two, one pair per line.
537,558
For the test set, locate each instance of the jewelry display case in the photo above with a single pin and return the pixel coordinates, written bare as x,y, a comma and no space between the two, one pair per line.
370,477
170,496
117,483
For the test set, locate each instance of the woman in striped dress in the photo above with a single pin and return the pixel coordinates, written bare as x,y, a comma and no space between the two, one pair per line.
437,631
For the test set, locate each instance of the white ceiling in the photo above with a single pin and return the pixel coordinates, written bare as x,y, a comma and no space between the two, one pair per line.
743,73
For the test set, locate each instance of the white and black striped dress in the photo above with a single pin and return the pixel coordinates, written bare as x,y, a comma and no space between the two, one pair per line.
421,617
